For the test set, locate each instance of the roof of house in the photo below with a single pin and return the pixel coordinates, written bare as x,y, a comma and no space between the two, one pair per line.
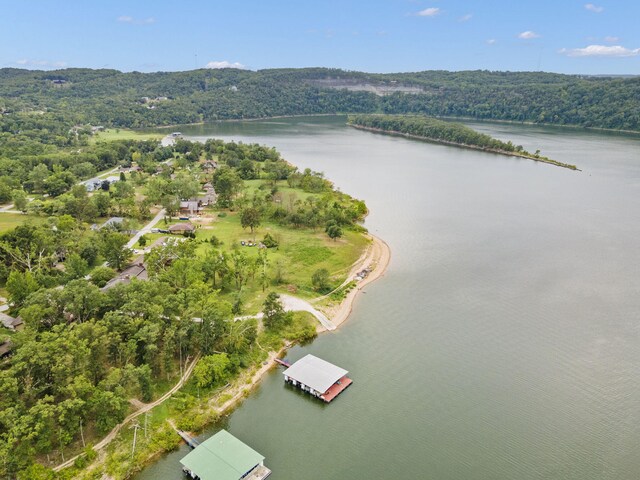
222,457
181,227
315,373
10,322
5,348
112,222
190,205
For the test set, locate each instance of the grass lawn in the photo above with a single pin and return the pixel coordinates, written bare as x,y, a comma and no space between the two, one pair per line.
300,253
9,221
285,192
123,134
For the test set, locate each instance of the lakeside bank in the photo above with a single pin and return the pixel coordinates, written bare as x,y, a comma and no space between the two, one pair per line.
395,133
377,257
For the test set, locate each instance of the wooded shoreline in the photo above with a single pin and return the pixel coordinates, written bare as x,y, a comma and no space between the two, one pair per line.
463,145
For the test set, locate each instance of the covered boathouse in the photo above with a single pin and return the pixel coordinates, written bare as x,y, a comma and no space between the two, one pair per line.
318,377
224,457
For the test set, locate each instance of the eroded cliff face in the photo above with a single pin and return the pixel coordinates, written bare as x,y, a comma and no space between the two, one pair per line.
354,85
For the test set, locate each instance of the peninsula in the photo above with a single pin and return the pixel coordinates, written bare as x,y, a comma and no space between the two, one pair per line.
448,133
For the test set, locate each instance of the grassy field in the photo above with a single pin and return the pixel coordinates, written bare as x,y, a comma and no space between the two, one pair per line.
300,253
123,134
286,193
9,221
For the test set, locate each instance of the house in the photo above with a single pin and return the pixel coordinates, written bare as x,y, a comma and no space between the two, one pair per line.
114,223
206,200
210,165
5,348
92,184
15,324
191,207
136,270
318,377
224,457
181,228
96,183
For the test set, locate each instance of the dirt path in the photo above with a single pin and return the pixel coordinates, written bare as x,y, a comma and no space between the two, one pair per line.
143,409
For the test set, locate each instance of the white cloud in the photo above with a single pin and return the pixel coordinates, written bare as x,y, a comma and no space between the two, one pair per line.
593,8
133,21
465,18
601,51
26,62
429,12
612,39
528,35
491,41
225,64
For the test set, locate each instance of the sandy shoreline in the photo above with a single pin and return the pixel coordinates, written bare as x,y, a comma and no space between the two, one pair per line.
377,257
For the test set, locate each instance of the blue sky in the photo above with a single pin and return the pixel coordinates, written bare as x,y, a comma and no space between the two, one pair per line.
566,36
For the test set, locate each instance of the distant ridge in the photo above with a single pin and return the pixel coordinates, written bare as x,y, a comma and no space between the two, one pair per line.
134,99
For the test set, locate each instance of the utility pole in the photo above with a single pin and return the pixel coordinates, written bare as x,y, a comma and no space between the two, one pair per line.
82,435
146,422
61,448
135,438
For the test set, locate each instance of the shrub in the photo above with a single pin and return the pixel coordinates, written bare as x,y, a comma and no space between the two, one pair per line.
101,275
269,242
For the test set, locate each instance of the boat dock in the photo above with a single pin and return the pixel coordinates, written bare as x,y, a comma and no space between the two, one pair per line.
192,442
318,377
284,363
223,457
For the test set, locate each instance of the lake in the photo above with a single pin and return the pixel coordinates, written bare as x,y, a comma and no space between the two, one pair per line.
503,341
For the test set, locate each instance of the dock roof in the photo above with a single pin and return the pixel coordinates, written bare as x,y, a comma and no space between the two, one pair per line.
221,457
315,373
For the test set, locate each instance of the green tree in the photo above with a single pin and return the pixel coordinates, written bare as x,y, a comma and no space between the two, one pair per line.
274,315
20,200
250,217
101,275
227,184
334,232
20,285
320,280
114,249
212,369
102,202
76,266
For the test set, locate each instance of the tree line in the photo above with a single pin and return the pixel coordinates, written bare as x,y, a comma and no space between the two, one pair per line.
113,98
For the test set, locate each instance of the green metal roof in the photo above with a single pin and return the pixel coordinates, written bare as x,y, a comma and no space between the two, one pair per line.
222,457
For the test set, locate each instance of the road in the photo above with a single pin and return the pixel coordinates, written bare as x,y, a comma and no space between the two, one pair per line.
147,228
295,304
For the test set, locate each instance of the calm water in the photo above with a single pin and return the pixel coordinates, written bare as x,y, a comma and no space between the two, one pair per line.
504,340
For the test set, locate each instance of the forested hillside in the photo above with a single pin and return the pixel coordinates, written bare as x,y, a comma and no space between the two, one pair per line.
113,98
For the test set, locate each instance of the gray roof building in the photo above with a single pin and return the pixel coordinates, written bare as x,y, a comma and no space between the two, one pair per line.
315,373
11,323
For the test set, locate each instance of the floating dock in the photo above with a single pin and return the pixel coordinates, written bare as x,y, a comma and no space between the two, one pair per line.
317,377
223,457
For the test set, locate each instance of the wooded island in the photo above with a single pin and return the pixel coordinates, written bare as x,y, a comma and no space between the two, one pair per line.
450,133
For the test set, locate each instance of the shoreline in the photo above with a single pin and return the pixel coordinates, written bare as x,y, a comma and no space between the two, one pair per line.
377,255
395,133
337,114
